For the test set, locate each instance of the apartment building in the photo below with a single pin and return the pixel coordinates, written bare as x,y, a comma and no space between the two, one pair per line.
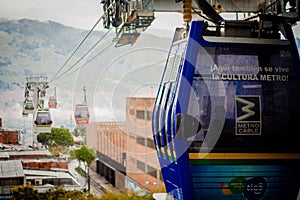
125,150
8,136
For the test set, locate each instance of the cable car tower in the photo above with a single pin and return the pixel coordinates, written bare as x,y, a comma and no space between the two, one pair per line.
129,17
35,92
82,115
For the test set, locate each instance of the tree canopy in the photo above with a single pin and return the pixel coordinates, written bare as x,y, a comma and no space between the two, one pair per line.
84,155
58,136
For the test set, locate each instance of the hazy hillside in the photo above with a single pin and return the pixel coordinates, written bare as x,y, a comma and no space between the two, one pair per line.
110,74
29,47
34,48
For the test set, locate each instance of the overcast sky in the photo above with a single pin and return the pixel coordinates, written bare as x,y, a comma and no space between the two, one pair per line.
77,13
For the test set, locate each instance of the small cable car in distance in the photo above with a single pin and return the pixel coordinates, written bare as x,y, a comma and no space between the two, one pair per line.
42,122
52,102
82,114
225,118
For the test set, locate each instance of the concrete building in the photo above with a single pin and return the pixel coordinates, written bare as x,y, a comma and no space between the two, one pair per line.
109,140
20,165
8,136
125,150
142,163
11,175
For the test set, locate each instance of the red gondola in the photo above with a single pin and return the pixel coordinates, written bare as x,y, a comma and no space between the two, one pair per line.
82,115
52,102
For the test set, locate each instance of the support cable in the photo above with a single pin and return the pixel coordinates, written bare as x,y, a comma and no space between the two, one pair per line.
65,73
77,48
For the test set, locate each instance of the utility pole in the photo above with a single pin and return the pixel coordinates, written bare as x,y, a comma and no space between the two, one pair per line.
88,178
84,93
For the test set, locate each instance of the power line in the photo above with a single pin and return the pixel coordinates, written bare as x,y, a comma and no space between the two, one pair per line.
65,73
90,59
77,48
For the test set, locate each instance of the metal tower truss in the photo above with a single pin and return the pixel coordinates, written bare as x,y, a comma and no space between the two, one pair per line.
129,17
132,17
35,93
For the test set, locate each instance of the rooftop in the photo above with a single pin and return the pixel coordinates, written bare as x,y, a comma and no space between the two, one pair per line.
11,168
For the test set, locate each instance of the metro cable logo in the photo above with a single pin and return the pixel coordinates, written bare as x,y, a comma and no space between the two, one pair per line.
248,115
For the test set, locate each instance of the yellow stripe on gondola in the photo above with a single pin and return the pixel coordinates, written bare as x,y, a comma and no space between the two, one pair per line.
244,156
84,118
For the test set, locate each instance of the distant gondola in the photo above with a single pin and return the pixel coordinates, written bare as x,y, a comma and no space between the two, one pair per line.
52,102
42,122
28,106
82,114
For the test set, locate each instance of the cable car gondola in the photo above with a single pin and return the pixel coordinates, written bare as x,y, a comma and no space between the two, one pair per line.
24,113
42,122
82,114
225,119
28,106
52,102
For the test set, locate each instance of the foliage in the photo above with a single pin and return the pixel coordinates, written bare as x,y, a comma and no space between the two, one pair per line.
84,155
62,194
24,193
126,195
28,193
79,131
58,136
80,171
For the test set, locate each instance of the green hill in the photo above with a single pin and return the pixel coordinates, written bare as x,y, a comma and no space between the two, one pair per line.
33,48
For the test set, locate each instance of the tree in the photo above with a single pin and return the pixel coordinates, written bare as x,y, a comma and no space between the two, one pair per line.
59,136
84,154
28,193
24,193
87,156
79,131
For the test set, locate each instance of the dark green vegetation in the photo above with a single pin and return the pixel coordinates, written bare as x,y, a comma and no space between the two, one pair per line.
84,154
28,193
57,141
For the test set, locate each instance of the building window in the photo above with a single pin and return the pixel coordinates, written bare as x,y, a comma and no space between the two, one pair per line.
140,140
141,165
149,115
151,171
140,114
150,143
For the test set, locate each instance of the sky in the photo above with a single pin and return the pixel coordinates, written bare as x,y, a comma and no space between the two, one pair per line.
79,13
76,13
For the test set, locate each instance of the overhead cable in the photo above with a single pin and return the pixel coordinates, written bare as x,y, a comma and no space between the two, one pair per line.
64,73
53,78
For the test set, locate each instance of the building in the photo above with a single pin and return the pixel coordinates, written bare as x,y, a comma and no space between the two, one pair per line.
142,164
8,136
109,140
11,175
125,150
20,165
